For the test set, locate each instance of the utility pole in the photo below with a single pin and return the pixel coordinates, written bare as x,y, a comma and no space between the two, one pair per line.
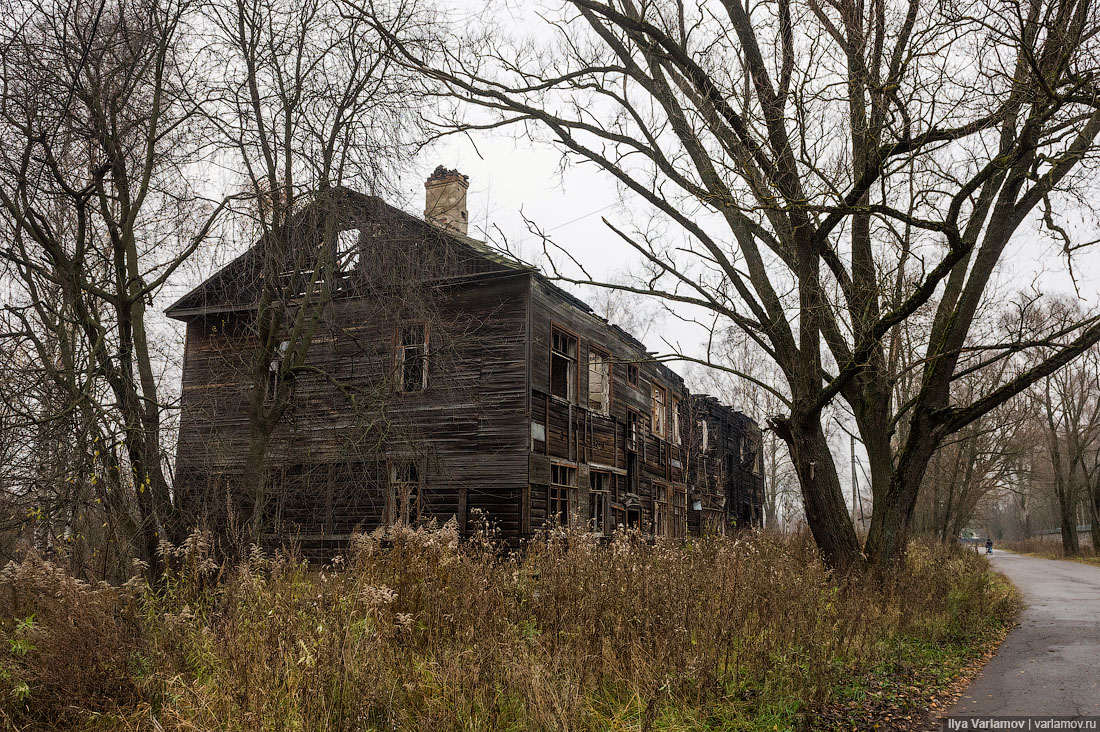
855,486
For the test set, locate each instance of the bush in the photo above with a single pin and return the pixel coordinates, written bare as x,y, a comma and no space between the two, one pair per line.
417,630
66,647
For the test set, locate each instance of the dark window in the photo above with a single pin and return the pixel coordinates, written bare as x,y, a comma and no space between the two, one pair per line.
412,357
679,512
660,510
563,479
598,497
632,374
563,364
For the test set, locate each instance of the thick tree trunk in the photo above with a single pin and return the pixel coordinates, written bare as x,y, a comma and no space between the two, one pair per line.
822,495
890,522
1067,516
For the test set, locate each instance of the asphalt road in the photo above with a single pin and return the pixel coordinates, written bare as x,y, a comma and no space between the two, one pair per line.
1049,664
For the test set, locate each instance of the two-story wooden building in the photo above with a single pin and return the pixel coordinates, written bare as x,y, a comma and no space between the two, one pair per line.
442,380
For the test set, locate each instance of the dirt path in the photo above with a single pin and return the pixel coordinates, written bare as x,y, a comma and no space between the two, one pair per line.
1050,664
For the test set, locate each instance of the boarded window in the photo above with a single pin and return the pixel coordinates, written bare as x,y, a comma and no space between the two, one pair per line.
404,499
704,435
347,250
563,479
563,364
412,357
599,381
660,401
598,498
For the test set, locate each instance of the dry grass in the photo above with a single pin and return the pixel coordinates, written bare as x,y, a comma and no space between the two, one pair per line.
418,631
1048,549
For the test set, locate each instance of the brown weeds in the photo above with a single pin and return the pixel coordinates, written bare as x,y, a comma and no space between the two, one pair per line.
415,630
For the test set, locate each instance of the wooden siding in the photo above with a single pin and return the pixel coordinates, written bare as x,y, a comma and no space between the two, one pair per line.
486,439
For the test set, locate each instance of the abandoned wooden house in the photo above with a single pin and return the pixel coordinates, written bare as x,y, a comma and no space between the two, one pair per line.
378,368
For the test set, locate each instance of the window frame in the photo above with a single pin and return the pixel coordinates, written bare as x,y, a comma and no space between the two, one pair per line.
678,520
348,258
600,497
674,419
572,384
633,374
659,428
400,356
594,348
404,507
275,372
561,494
661,509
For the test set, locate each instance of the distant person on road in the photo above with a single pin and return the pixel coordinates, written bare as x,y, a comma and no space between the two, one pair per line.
989,546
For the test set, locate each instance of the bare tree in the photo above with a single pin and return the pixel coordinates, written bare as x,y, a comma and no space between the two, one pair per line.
306,104
1069,404
95,133
826,168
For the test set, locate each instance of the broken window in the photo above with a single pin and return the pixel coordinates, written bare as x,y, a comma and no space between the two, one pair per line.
675,420
563,364
563,479
598,498
660,509
660,399
704,433
637,428
599,381
405,504
347,250
412,357
679,511
275,371
632,374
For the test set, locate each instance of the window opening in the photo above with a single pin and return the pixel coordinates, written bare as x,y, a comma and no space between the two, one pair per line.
405,493
563,479
660,398
563,364
598,497
347,250
275,371
675,420
599,381
412,357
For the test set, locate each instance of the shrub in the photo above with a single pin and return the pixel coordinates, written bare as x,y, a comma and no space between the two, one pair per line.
414,629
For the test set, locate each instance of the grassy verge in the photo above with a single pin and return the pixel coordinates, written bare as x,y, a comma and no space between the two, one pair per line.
1049,550
748,633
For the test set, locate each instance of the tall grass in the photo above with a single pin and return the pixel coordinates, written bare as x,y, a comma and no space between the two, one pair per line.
415,630
1049,548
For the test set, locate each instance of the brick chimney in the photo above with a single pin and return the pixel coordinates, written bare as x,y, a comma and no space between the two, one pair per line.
445,200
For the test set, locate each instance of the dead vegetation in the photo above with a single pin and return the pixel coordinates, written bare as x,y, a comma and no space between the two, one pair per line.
415,630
